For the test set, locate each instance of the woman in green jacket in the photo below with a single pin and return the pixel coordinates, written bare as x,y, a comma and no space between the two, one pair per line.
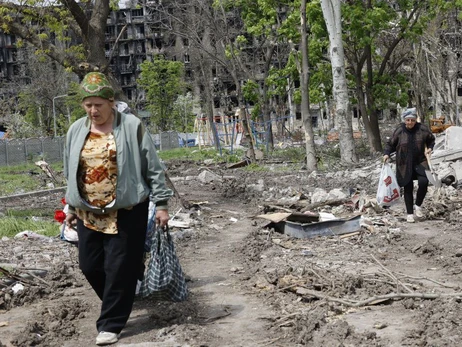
112,172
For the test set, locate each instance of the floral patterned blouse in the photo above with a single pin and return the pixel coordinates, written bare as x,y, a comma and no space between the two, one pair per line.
97,179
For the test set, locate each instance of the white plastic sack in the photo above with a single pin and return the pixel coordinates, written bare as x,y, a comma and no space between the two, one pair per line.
69,234
388,189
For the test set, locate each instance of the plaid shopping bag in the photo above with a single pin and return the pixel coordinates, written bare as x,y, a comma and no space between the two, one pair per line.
164,279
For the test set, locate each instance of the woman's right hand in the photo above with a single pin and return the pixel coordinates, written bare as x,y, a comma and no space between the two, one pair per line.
386,158
71,219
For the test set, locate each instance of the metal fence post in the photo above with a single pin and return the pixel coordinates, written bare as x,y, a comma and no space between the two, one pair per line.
25,150
6,152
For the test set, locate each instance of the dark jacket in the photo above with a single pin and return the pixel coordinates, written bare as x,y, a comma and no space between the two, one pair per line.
409,145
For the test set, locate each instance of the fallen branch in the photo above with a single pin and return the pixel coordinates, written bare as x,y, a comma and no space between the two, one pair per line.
379,298
34,276
344,236
391,274
426,279
9,274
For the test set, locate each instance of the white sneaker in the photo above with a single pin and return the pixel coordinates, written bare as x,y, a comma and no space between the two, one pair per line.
106,338
410,218
418,211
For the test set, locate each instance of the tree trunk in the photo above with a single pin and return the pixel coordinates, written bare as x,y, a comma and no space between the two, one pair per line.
332,17
311,162
374,131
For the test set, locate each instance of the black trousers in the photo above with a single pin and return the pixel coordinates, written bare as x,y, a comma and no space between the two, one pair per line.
111,264
421,190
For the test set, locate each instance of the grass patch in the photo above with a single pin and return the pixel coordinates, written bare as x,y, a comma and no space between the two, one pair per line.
23,178
256,168
292,154
10,226
14,180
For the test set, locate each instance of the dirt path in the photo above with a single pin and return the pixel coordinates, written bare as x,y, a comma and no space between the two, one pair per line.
251,286
219,312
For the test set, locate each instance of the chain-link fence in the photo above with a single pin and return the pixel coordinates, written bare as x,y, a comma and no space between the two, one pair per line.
20,151
50,149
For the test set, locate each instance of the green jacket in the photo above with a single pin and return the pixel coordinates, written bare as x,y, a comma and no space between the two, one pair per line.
139,171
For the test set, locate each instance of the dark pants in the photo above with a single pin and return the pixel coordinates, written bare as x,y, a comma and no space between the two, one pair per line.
421,191
111,265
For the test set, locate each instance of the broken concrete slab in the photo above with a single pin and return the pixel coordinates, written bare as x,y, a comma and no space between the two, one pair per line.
447,155
207,177
453,138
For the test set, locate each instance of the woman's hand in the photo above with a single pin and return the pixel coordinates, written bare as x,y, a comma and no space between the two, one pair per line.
428,151
162,217
71,219
386,158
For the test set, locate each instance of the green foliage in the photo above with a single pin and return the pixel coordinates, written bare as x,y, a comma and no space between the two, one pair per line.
371,26
256,112
42,20
163,82
250,91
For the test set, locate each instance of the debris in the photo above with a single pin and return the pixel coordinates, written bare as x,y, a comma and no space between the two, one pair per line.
308,225
326,228
18,287
239,164
208,177
47,169
438,125
431,175
27,234
380,325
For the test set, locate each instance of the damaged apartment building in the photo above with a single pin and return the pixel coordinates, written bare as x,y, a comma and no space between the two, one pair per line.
136,34
133,35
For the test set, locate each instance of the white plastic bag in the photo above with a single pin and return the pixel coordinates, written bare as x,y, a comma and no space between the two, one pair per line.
388,189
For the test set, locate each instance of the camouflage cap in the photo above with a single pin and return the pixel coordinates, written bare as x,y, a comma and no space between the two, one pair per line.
96,84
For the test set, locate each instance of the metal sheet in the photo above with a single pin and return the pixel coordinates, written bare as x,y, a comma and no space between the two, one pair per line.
327,228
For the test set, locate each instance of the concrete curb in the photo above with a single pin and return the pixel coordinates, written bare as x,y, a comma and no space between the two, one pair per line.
33,194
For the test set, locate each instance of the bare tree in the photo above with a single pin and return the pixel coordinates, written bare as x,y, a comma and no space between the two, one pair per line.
311,162
332,16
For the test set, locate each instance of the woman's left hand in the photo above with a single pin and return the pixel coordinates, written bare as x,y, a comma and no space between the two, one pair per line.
162,217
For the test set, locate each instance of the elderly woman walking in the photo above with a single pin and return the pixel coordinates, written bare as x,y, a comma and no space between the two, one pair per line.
112,172
411,141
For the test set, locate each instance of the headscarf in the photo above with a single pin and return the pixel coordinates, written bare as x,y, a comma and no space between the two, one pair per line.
96,84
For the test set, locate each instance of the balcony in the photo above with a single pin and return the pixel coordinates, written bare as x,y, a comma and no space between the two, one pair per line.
126,68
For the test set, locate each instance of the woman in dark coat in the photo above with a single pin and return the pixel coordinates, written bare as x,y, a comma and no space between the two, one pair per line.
411,141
